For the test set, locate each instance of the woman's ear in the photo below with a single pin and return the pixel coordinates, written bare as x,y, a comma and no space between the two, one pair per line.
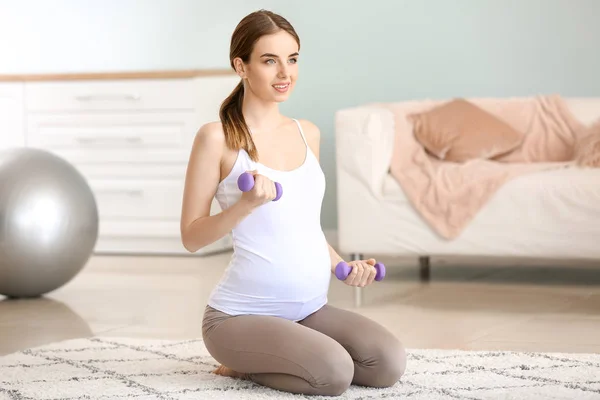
240,68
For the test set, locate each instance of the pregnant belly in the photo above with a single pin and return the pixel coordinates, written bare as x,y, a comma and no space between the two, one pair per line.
281,272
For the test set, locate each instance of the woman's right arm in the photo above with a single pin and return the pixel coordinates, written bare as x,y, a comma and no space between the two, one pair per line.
198,227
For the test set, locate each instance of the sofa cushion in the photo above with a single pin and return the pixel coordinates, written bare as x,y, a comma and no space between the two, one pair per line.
587,149
459,131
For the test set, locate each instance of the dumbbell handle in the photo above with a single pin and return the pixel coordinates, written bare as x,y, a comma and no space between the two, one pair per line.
342,270
246,183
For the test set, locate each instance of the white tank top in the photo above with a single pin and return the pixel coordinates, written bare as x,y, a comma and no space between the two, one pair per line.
280,264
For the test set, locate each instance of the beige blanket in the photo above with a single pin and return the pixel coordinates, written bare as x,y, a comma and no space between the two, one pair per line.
449,195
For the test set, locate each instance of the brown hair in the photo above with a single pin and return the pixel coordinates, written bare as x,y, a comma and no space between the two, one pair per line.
243,39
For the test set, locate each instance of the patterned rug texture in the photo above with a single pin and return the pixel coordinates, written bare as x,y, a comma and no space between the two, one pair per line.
144,369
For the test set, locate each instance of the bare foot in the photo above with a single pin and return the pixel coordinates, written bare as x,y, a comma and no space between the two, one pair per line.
224,371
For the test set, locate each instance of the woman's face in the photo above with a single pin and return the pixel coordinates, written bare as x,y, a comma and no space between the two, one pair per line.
272,70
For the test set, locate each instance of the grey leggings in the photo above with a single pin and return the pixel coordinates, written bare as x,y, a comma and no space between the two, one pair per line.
322,354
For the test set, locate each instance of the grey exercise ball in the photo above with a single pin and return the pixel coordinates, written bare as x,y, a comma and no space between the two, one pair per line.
48,222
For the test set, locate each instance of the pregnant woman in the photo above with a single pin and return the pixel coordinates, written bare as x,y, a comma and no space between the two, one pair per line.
268,320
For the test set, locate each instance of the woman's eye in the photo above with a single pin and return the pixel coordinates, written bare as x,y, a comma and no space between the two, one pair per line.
271,61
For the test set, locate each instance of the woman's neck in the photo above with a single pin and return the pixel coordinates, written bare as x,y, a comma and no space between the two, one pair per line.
260,115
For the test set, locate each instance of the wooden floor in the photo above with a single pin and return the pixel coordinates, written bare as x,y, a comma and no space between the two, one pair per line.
533,305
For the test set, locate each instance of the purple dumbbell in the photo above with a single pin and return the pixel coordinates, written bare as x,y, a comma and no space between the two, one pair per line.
342,270
246,183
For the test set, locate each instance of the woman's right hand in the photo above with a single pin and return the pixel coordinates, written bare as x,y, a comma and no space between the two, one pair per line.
263,191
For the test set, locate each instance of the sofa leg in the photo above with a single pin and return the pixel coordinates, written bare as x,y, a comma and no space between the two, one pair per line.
358,291
424,268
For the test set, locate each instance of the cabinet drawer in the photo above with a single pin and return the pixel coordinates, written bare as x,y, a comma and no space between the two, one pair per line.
138,198
117,171
149,237
111,137
110,95
141,199
144,217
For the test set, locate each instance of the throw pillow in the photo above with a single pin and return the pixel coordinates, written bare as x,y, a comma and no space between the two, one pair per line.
459,131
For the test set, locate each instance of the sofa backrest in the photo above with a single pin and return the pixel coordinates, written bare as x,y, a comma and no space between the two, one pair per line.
585,109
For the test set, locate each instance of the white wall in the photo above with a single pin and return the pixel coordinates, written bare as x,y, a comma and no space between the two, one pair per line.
352,52
106,35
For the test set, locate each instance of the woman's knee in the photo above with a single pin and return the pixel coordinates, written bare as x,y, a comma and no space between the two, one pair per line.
335,372
390,365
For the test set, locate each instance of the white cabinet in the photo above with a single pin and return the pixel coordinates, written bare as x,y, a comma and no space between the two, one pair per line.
114,136
131,138
108,95
11,115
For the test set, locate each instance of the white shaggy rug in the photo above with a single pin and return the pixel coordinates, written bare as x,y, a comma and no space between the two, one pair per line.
117,368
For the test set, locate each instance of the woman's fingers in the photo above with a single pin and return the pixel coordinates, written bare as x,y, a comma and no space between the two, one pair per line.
363,273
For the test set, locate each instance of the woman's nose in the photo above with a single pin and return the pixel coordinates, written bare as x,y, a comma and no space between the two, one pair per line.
283,71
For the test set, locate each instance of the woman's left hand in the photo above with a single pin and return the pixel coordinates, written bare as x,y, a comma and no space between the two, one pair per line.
362,274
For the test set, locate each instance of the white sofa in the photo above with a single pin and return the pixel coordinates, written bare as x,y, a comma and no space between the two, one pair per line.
550,214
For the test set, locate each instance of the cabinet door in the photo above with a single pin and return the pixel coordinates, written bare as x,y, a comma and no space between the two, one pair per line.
12,131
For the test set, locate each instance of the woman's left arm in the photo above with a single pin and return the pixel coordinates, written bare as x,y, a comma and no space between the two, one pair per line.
335,258
313,137
363,271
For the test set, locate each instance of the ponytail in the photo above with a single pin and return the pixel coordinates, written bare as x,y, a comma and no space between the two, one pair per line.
237,134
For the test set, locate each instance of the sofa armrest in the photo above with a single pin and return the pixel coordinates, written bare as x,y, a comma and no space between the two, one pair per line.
364,145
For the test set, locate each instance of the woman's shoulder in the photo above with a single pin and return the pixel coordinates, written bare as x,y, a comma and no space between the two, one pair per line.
212,130
211,133
309,128
312,133
210,137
